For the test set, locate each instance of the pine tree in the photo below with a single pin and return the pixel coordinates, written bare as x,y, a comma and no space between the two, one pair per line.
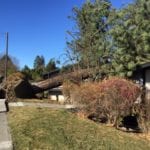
27,72
11,66
51,66
90,42
39,64
130,32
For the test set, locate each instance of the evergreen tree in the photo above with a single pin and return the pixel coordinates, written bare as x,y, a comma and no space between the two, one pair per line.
27,72
39,64
90,42
130,32
51,66
11,66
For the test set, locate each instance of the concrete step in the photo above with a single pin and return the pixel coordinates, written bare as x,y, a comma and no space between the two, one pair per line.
2,105
5,137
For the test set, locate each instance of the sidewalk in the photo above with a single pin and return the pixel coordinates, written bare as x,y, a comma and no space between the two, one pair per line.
52,106
5,137
2,105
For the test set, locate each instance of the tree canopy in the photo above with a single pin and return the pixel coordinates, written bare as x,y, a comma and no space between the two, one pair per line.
11,66
39,68
51,65
90,39
115,41
39,63
130,34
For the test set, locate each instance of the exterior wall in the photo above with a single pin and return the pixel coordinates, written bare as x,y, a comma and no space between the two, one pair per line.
57,95
147,83
53,97
2,94
147,79
59,98
142,77
138,77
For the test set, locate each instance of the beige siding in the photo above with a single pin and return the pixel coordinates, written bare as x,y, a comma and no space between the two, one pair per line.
147,84
147,79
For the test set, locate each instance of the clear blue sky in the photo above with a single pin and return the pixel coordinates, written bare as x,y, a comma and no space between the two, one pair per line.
37,27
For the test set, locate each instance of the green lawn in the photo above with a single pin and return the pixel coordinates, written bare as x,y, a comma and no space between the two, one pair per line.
45,129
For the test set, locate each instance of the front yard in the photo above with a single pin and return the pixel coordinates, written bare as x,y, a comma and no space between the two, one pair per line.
45,129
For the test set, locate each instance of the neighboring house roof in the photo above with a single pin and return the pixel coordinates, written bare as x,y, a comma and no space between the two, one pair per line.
57,89
145,65
48,75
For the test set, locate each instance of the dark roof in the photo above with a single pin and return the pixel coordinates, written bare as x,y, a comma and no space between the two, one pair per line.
51,74
57,89
144,66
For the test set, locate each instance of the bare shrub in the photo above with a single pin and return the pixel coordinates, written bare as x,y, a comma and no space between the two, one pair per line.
69,90
121,95
17,86
111,98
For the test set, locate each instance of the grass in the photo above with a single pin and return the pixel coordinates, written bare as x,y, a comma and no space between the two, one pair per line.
45,129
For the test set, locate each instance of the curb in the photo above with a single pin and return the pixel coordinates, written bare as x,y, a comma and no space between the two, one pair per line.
44,105
6,145
5,139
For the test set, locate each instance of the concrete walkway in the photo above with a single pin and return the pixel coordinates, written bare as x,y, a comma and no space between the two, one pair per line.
46,105
2,105
5,137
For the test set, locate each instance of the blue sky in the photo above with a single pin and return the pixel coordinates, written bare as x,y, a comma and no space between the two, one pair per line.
37,27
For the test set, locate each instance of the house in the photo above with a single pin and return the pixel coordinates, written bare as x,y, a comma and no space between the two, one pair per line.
1,78
56,94
2,94
142,77
51,74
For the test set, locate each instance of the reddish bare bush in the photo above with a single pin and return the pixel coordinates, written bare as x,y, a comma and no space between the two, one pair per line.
110,98
120,96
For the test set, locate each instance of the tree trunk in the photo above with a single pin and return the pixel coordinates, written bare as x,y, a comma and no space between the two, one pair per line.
58,80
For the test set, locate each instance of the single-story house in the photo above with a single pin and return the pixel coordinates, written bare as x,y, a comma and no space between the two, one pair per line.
51,74
142,77
56,94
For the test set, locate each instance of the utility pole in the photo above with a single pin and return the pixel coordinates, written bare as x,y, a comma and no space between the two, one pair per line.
6,57
6,67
